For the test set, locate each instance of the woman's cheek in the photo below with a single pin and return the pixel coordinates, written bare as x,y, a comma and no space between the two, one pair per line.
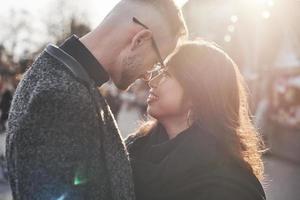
166,105
169,102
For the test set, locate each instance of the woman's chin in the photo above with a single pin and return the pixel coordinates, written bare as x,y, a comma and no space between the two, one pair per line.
151,112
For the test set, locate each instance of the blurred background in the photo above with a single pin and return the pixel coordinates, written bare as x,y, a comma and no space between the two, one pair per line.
262,36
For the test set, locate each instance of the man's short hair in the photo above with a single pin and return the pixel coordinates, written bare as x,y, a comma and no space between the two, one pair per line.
173,15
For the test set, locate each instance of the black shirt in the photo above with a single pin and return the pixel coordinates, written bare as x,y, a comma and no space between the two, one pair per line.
81,54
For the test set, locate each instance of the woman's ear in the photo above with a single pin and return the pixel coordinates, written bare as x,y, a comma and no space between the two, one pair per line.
141,38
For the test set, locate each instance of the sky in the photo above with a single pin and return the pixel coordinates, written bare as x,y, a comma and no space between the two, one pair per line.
97,9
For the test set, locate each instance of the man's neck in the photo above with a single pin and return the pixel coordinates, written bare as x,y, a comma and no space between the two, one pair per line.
98,42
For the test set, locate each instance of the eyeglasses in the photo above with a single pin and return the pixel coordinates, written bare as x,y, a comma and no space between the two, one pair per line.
158,78
160,64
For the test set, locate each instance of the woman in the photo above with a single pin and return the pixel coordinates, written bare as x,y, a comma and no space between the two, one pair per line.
202,145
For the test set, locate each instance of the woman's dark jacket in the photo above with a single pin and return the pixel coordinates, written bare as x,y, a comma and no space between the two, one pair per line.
191,166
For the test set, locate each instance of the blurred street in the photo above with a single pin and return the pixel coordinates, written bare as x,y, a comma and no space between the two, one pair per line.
282,179
5,193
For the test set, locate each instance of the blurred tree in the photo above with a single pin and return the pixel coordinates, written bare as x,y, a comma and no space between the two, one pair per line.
65,20
24,35
16,32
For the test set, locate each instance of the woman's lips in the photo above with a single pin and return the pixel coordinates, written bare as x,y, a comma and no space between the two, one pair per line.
152,97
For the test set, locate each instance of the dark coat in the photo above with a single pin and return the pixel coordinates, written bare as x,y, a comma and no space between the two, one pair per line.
191,166
63,142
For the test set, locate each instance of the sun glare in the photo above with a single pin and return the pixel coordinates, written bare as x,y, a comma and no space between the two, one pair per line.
266,14
258,4
181,3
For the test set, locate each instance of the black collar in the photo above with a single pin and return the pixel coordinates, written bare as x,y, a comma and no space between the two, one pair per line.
79,52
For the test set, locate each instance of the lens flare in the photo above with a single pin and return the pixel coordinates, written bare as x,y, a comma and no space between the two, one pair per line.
227,38
234,18
62,197
80,177
266,14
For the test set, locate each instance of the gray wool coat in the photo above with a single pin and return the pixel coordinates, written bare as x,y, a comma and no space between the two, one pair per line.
63,142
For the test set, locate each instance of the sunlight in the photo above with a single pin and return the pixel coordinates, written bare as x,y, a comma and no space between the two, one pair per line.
181,3
227,38
266,14
258,4
234,18
264,2
259,9
231,28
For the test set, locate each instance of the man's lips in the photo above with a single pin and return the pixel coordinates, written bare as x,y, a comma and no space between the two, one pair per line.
152,97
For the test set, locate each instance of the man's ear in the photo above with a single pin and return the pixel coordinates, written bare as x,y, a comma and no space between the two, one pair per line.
141,38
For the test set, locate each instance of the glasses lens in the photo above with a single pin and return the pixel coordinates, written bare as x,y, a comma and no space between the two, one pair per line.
155,73
162,78
156,70
159,78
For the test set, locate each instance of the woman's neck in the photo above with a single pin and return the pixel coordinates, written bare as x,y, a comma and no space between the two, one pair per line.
174,125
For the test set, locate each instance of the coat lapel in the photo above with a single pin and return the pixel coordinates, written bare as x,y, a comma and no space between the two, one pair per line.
116,156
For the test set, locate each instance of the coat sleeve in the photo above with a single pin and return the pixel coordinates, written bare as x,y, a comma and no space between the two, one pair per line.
52,145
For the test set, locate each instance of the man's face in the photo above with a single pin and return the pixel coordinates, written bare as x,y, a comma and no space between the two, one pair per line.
137,62
142,54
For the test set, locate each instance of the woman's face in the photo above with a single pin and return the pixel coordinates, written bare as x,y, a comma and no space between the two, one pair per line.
165,97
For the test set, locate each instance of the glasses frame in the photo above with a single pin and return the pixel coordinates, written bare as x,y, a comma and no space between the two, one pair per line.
160,64
160,76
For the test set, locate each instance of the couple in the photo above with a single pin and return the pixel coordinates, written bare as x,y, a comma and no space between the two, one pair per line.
63,142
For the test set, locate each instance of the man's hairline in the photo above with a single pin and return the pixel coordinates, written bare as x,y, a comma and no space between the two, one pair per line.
145,19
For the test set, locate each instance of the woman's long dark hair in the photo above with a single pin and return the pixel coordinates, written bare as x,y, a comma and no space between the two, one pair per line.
213,82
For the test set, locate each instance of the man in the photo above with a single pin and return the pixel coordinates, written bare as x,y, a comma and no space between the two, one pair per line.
63,142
